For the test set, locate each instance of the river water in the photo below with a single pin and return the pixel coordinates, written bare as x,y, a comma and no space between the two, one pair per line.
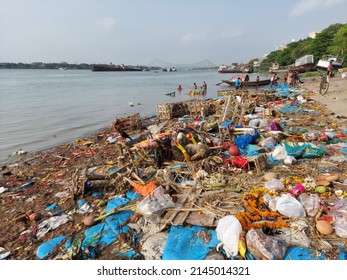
43,108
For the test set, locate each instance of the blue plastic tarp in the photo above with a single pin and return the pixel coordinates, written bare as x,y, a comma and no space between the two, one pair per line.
304,150
183,243
251,150
107,232
301,253
45,249
342,253
116,202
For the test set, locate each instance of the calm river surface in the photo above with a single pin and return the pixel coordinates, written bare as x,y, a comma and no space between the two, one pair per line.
43,108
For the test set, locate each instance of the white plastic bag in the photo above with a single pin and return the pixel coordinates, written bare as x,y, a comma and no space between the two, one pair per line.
310,202
270,201
288,206
155,203
295,235
254,123
270,141
274,184
228,232
154,245
279,152
340,222
51,224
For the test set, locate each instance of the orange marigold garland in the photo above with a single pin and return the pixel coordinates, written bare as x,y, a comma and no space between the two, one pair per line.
256,214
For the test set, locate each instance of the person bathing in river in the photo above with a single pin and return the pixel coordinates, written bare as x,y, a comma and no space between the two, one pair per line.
247,78
204,87
179,88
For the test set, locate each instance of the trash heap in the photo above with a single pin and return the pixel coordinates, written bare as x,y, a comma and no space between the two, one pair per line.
245,175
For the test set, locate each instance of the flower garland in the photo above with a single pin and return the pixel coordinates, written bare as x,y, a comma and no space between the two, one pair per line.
256,214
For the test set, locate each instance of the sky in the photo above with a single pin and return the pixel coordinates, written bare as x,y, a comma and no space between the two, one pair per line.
139,32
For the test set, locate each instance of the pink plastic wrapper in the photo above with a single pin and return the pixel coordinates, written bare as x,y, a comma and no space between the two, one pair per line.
297,190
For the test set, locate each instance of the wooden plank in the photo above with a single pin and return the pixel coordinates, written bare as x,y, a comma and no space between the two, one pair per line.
182,216
176,216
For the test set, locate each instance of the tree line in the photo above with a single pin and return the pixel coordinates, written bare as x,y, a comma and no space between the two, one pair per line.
332,40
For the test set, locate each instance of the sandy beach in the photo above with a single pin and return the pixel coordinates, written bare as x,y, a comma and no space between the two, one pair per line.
336,98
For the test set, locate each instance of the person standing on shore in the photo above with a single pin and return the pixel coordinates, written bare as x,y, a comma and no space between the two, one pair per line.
285,78
330,69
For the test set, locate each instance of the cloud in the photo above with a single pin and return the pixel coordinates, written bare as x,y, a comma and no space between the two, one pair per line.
192,38
201,36
105,22
306,6
230,34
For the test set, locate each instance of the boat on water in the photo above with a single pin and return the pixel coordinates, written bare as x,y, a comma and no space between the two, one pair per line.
170,69
323,63
113,67
263,82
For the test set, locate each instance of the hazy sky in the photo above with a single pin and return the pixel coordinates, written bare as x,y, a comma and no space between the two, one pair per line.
141,31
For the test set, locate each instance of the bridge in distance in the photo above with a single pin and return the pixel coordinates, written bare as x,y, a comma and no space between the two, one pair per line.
204,64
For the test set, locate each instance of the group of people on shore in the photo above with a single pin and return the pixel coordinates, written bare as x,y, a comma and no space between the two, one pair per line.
292,78
202,90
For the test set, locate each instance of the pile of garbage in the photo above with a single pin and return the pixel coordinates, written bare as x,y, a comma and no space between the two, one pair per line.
263,177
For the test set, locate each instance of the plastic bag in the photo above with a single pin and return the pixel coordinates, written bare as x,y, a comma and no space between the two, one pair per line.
279,152
51,224
310,202
254,123
275,126
228,232
270,201
288,206
264,247
45,249
295,235
240,162
340,222
274,184
155,203
154,246
312,135
268,142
